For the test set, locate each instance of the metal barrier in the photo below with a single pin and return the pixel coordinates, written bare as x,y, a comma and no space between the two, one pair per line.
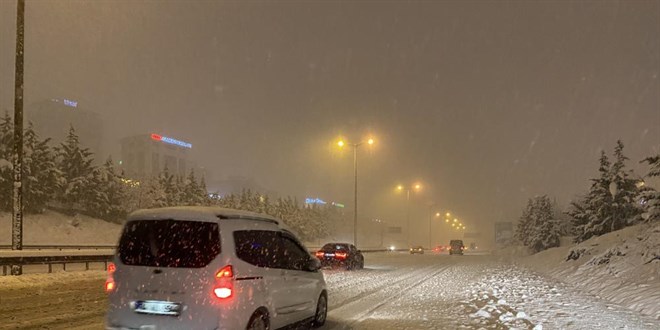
62,247
7,262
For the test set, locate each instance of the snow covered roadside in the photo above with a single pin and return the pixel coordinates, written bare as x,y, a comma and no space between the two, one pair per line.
52,228
512,297
622,267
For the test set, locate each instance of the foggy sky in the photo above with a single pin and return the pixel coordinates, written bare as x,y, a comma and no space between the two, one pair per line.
485,103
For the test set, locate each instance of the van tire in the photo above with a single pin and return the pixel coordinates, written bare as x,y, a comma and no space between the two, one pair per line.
259,321
321,313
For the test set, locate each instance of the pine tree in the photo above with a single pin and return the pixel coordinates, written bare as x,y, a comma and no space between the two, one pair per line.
179,192
229,201
624,191
611,203
75,164
109,191
40,172
650,198
592,214
522,233
6,158
204,193
169,186
155,194
192,192
538,229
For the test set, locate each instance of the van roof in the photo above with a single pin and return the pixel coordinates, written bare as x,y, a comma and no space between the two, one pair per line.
204,213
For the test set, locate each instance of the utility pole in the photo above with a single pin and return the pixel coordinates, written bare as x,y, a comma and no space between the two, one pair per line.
355,165
17,215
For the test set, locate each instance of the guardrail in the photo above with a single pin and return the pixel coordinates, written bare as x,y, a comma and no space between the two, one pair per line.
7,262
61,247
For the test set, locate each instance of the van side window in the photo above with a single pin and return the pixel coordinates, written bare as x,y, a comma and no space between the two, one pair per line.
261,248
293,256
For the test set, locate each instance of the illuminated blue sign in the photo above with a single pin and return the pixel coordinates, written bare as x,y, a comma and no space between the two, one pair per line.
314,201
169,140
69,103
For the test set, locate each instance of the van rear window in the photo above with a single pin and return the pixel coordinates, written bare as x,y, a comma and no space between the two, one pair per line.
169,243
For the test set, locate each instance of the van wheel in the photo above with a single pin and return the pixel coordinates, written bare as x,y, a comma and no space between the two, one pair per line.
321,311
258,321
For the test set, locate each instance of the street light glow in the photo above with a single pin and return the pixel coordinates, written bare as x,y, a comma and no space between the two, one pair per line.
370,141
448,215
437,214
418,186
455,220
399,187
447,220
340,143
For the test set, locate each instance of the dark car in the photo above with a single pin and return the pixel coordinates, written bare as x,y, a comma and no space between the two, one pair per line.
416,249
456,246
340,255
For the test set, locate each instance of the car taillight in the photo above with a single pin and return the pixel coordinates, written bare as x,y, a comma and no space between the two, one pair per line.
110,281
320,254
224,286
109,285
341,255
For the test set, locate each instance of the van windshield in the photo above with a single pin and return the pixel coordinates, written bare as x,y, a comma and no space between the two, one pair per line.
169,243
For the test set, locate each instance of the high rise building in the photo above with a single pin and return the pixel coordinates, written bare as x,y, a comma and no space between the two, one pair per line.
53,118
147,155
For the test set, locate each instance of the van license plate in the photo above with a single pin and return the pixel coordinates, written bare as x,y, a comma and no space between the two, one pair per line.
157,307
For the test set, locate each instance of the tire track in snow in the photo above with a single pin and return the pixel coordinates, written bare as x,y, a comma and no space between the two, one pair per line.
351,310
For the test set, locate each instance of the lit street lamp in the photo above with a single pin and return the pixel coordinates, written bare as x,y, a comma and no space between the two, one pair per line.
355,146
401,188
437,215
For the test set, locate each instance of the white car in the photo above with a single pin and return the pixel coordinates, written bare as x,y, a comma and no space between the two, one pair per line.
212,268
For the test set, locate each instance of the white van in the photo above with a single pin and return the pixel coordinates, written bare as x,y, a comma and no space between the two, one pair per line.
212,268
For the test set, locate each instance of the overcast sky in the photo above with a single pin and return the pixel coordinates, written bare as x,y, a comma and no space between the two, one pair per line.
485,103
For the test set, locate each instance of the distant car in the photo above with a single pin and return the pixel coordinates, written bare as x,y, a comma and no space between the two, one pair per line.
439,249
343,255
212,268
456,246
473,246
416,250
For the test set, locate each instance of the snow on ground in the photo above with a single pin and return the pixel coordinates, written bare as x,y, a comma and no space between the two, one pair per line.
394,291
622,267
52,228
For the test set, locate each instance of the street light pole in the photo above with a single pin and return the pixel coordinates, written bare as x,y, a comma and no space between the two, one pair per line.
355,146
408,229
355,213
430,220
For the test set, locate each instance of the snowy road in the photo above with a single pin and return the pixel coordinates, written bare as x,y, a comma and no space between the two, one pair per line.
394,291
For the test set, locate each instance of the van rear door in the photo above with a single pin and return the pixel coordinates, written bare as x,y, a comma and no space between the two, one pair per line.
164,277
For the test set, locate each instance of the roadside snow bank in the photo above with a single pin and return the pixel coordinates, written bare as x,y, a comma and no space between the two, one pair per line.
52,228
622,267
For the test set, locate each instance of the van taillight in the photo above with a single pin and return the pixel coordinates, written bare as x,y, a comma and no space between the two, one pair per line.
341,255
109,285
110,281
224,286
320,254
225,272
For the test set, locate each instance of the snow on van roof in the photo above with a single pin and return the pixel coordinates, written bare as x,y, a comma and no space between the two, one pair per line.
196,213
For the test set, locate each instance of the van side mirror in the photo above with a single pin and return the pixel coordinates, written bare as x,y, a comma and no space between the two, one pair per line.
313,265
